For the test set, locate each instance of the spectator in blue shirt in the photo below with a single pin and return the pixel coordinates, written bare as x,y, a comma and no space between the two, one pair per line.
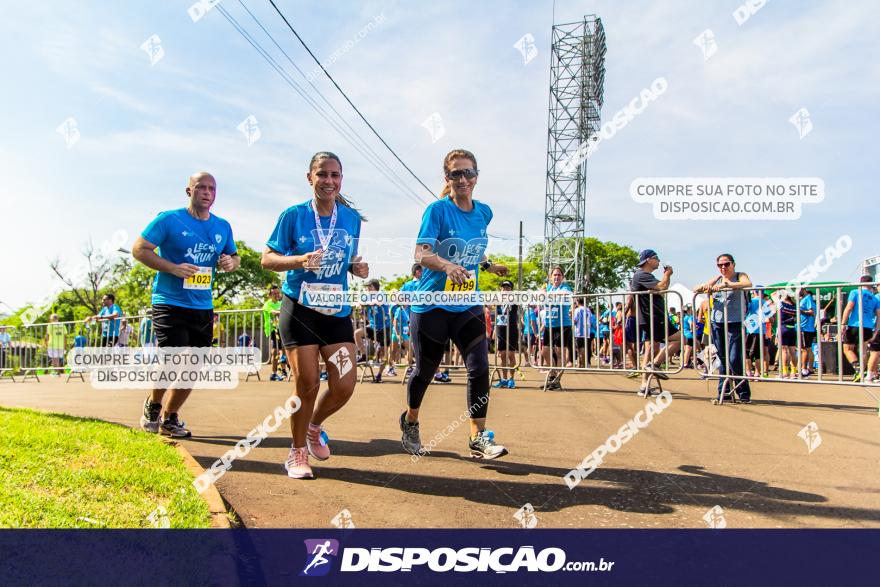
109,316
808,332
687,331
5,342
378,318
582,327
860,316
531,332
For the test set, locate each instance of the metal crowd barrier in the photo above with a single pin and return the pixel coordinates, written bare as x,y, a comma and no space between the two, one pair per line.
242,328
506,325
759,333
42,348
606,327
373,346
368,348
8,334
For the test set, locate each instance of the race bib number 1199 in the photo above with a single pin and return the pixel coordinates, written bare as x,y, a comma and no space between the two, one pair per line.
470,283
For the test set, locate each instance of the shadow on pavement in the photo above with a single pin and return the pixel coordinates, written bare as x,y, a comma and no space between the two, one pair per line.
626,490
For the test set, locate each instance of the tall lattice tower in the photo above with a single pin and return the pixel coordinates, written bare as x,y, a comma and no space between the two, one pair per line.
577,78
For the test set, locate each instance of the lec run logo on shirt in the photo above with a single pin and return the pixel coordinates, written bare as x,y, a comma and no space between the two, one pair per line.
201,252
318,556
462,252
334,259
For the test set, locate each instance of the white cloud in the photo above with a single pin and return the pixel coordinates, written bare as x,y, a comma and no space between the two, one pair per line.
121,97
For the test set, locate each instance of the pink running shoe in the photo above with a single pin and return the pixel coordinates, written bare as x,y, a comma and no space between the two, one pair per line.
316,442
297,464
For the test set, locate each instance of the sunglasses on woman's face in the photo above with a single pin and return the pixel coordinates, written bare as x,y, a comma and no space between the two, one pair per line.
723,265
467,173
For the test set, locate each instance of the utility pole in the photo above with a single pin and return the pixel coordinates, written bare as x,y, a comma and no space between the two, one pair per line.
519,272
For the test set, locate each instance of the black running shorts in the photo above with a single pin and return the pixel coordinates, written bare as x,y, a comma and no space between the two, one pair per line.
181,327
302,326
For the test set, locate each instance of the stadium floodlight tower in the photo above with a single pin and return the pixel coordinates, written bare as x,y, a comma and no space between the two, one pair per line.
577,78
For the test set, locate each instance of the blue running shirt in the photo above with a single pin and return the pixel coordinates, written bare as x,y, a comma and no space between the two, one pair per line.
410,285
457,236
560,314
401,320
378,316
808,323
865,303
181,238
688,326
296,234
111,327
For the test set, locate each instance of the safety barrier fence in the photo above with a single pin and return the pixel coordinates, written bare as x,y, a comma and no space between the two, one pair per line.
42,348
824,334
505,332
373,326
606,333
733,336
382,339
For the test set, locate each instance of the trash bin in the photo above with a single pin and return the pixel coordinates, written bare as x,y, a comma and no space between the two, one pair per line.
829,360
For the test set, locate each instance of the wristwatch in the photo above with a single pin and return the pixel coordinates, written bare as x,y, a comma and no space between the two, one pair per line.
485,265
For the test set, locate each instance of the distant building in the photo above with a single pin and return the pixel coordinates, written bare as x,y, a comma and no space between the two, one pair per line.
871,266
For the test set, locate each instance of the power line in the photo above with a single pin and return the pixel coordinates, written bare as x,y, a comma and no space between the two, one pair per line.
272,63
344,95
268,58
327,102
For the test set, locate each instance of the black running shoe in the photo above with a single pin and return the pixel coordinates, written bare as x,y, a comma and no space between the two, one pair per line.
174,428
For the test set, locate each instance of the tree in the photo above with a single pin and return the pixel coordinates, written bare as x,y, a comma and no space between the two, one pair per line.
394,283
533,276
85,286
250,280
133,286
607,265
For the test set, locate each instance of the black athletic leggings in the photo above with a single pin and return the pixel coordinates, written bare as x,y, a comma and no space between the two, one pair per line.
430,332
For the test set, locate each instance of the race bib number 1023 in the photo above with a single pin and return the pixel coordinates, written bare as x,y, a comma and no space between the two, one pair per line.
200,280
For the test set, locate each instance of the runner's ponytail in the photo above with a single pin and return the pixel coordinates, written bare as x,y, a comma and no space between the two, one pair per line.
342,200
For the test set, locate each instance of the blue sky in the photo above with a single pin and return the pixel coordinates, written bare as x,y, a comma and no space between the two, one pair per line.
144,129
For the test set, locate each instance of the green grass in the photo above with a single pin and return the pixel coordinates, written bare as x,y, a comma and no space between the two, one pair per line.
59,471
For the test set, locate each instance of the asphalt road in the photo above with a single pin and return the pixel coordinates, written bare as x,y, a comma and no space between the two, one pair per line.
691,457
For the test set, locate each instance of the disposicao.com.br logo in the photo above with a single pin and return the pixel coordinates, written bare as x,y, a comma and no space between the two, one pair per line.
443,560
318,552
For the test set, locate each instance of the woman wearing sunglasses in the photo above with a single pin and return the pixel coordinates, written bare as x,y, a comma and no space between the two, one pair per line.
451,248
728,310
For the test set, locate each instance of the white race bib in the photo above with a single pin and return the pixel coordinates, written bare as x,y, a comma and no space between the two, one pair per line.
308,288
200,280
